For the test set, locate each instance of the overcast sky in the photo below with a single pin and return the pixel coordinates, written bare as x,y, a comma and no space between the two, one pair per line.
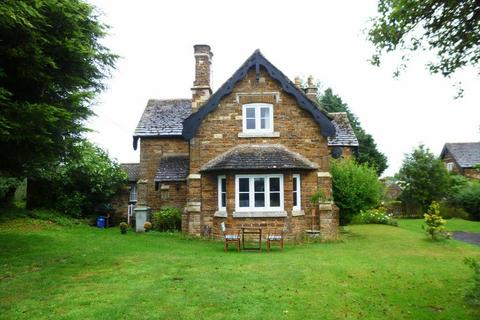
325,39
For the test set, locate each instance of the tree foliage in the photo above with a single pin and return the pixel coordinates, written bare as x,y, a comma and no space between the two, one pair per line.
77,187
51,66
423,177
451,29
355,188
368,152
467,197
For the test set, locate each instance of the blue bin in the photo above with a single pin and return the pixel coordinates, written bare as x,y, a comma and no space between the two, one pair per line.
101,222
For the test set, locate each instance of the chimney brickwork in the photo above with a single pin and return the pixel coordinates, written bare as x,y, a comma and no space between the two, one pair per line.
311,90
201,89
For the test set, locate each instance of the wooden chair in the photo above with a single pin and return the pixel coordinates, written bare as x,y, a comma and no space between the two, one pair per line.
230,236
274,235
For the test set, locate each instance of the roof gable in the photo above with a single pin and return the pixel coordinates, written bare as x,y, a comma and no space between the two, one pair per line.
466,154
345,136
257,60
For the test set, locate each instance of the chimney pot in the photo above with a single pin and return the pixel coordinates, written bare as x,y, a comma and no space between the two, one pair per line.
311,90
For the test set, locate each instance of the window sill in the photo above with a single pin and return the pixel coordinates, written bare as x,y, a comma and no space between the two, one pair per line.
259,214
259,134
220,214
297,213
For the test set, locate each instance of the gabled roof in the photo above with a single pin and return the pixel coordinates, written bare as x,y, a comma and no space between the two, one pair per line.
173,168
466,154
257,61
132,170
162,118
345,136
258,156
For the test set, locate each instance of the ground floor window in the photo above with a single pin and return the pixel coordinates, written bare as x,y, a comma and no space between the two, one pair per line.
259,192
296,192
222,193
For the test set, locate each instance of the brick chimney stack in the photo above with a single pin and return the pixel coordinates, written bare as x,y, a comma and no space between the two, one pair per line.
201,90
311,90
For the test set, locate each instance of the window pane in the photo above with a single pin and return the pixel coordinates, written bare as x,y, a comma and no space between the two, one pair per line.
250,123
265,112
274,184
264,124
259,199
244,199
259,184
250,113
243,184
274,199
224,185
294,183
224,200
295,199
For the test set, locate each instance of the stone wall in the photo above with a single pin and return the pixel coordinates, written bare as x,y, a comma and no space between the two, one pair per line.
151,151
120,205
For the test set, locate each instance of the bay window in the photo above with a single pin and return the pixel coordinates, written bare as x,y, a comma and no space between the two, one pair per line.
259,192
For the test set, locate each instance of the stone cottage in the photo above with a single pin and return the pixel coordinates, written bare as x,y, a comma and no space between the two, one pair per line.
462,158
251,153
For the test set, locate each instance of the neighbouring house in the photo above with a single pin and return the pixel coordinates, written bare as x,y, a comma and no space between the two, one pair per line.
126,198
249,154
462,158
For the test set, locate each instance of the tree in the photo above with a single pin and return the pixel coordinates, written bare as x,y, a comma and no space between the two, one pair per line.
355,188
367,150
423,177
51,66
451,29
77,187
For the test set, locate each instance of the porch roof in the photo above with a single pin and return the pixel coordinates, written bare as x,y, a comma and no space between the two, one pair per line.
259,157
173,168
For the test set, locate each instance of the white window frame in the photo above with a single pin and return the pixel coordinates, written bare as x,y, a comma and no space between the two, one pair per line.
449,166
298,207
219,193
251,192
257,107
133,194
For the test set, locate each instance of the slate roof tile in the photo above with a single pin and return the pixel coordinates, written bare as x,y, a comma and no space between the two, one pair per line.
466,154
173,168
344,133
132,170
258,156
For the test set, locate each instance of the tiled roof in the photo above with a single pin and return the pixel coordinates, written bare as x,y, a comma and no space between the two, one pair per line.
163,118
344,132
262,156
466,154
132,170
173,168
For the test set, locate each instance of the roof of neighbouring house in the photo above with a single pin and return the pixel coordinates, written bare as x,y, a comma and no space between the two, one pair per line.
173,168
132,170
163,118
345,136
466,154
258,156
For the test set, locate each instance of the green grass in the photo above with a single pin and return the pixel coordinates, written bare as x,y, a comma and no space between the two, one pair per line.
377,272
451,225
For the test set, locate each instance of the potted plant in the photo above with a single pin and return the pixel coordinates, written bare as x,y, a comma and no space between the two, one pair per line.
315,199
123,227
147,226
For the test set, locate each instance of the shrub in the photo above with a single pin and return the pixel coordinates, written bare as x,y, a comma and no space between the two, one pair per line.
435,224
355,188
467,197
123,227
147,226
167,219
473,295
448,211
374,216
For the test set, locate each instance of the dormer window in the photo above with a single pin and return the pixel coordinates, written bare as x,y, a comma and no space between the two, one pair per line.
257,118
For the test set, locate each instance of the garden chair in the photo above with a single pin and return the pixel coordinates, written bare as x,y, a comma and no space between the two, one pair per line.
230,236
274,235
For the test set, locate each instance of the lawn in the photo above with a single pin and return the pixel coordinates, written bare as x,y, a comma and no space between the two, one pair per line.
376,272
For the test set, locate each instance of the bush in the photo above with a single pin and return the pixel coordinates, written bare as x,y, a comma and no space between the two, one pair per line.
473,295
355,188
123,227
435,224
374,216
467,197
147,226
167,219
448,211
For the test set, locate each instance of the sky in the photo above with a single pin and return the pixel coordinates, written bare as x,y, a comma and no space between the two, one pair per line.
325,39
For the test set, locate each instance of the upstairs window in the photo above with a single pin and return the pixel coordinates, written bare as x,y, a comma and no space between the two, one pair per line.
257,118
